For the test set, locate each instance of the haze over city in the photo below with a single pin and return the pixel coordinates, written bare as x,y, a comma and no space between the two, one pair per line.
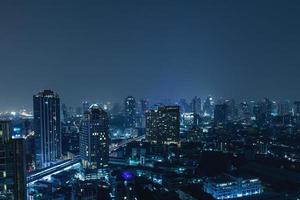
156,49
150,100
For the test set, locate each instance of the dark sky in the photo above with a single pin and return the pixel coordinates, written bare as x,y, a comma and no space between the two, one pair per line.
158,49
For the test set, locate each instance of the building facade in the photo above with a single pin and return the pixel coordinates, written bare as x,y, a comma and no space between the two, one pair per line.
163,125
12,164
94,140
46,108
228,187
130,112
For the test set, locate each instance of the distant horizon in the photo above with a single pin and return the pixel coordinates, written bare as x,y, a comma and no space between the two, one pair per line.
152,101
159,49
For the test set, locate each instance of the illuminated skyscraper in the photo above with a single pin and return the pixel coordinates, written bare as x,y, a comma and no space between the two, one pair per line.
208,107
12,164
130,112
46,107
162,125
94,139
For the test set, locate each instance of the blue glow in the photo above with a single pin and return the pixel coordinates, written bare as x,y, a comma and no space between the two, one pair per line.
128,176
17,129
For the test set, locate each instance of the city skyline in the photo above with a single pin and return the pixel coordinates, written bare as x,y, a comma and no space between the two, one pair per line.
144,100
106,51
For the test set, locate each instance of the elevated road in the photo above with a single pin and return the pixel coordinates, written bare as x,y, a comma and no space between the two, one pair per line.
60,166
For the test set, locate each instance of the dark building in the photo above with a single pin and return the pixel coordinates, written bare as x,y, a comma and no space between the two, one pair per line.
297,108
143,106
162,125
12,164
220,113
94,141
130,112
184,106
232,110
70,139
196,105
46,107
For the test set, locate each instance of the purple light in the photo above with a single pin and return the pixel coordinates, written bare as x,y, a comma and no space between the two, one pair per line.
127,176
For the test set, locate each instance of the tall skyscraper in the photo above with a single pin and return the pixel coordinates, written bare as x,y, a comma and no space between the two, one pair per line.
94,139
130,112
232,111
12,164
143,106
297,108
208,106
85,106
46,108
284,108
162,125
196,105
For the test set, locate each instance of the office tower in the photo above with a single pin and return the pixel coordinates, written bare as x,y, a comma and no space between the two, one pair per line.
268,108
151,125
297,108
65,112
231,109
220,113
196,105
85,106
12,164
144,103
94,141
284,108
208,107
184,106
130,112
244,112
259,113
162,125
46,108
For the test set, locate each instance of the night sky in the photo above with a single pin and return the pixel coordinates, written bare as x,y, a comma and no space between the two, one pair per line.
156,49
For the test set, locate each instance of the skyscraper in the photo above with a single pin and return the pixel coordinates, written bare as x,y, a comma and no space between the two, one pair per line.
94,139
143,106
85,106
12,164
208,106
220,113
196,105
162,125
130,112
46,108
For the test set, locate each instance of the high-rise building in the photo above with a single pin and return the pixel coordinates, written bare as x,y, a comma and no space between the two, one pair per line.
143,106
297,108
94,140
162,125
232,110
65,112
130,112
284,108
46,108
184,106
208,107
12,164
196,105
220,113
85,106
